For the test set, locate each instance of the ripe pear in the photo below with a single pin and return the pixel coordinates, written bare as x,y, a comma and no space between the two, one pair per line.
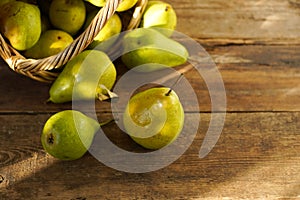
67,15
88,76
20,23
50,43
159,14
123,6
112,27
148,46
67,135
154,118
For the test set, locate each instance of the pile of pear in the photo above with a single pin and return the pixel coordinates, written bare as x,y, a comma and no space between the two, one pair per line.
153,118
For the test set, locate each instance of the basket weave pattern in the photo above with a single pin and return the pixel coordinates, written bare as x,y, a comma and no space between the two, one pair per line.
41,69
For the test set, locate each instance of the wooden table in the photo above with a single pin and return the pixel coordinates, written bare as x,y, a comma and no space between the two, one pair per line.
255,45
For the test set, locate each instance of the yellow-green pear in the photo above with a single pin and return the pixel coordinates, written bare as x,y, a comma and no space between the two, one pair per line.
159,14
154,118
148,46
67,15
112,27
67,135
123,6
20,23
50,43
88,76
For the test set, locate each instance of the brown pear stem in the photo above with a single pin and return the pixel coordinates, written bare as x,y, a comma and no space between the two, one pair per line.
177,81
106,122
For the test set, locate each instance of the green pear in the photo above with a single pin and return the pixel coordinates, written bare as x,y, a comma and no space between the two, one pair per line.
154,118
88,76
67,15
123,6
159,14
50,43
148,46
67,135
20,23
112,27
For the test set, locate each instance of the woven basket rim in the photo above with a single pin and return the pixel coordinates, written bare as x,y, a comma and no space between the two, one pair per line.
42,69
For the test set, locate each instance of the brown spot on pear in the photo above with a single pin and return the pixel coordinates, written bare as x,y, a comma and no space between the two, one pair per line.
50,43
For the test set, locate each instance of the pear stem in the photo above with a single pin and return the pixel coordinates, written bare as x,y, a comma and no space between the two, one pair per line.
177,81
106,122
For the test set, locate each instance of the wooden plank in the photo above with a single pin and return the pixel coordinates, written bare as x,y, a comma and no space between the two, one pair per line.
256,78
267,21
257,156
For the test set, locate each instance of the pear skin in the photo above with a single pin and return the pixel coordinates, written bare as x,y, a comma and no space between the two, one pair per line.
20,23
148,46
159,14
67,135
154,118
67,15
50,43
88,76
112,27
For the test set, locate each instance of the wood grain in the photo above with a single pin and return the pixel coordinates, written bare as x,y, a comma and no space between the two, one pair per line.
257,150
256,78
255,45
243,22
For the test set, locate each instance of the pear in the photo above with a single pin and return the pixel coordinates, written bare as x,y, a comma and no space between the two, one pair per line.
148,46
159,14
123,6
67,15
88,76
20,23
154,118
112,27
50,43
67,135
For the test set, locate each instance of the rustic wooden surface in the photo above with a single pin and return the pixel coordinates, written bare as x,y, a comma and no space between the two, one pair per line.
255,45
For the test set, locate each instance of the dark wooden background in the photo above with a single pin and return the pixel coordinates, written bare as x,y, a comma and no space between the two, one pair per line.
255,45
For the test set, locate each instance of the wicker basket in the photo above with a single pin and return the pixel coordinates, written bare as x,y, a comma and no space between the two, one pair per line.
43,69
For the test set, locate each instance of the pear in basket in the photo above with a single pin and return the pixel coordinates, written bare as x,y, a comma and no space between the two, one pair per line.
50,43
67,15
112,27
20,23
88,76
